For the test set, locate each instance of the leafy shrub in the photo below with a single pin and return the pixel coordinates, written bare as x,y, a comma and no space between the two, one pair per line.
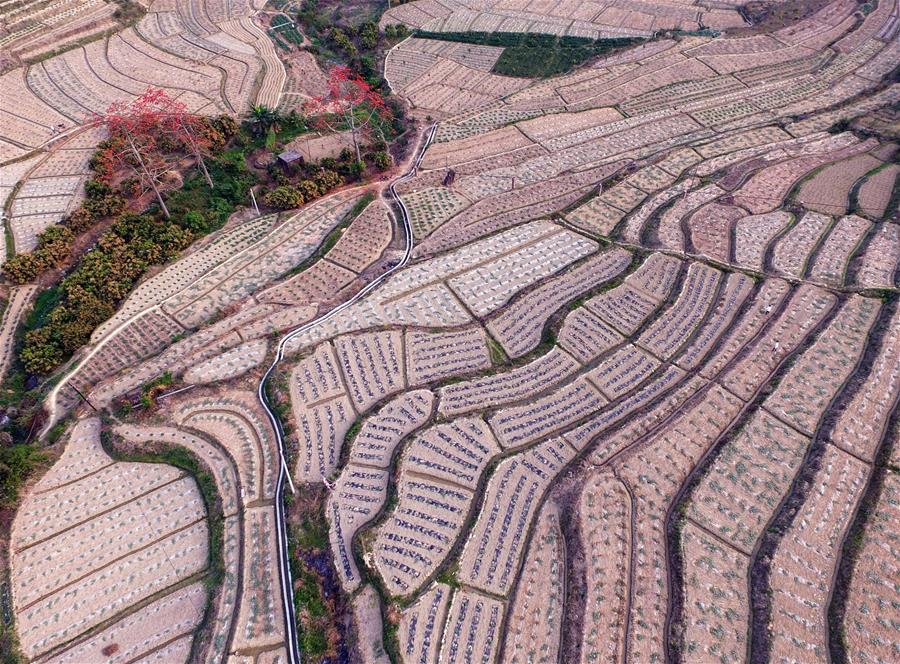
309,189
368,35
328,179
396,31
284,198
382,160
96,189
52,249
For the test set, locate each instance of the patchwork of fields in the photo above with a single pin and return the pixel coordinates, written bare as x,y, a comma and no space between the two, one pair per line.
610,373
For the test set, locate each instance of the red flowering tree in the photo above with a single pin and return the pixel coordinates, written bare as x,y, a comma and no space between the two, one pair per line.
144,135
349,105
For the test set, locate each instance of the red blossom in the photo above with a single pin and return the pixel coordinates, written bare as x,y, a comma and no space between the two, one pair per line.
350,104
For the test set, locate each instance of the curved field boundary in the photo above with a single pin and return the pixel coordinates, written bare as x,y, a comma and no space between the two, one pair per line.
19,299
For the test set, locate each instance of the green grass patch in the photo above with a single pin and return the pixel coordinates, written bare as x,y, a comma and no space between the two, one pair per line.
312,534
532,55
43,305
287,30
17,462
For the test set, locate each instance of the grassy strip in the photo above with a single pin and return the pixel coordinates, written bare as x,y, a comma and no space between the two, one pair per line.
317,598
10,652
533,55
17,462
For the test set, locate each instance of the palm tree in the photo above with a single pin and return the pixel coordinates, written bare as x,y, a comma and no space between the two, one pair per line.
263,118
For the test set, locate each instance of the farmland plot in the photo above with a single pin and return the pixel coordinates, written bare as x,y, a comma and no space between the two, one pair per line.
429,208
322,412
873,588
435,355
807,306
509,386
484,275
122,533
535,613
734,293
804,562
439,472
625,307
585,336
880,260
229,364
605,524
50,190
496,542
420,531
828,191
422,623
357,496
535,197
623,371
236,423
792,251
711,229
519,327
763,307
875,192
654,473
734,505
806,390
227,484
280,250
365,239
379,435
674,326
583,435
715,608
861,425
830,265
519,425
752,236
361,489
473,626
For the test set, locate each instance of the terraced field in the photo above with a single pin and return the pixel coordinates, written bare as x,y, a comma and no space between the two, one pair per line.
611,372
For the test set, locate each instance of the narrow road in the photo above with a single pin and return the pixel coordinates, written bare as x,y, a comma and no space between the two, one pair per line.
284,473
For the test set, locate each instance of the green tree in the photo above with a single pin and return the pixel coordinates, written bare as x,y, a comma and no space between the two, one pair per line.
41,352
382,160
368,35
262,119
284,198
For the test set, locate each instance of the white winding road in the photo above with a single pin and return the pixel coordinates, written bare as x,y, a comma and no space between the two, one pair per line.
284,473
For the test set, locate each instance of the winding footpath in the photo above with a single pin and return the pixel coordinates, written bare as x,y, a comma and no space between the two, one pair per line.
284,473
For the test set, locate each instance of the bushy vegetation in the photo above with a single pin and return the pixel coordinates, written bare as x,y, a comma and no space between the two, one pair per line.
301,185
17,461
284,34
122,254
345,35
533,55
316,596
